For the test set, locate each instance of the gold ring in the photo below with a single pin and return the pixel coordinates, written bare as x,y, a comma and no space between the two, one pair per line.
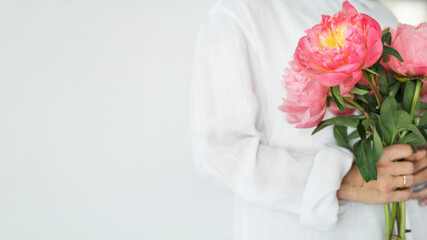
404,181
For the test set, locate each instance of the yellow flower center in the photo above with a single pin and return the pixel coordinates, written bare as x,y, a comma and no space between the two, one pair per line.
333,39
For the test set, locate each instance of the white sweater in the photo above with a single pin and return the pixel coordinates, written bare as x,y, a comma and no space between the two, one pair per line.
284,179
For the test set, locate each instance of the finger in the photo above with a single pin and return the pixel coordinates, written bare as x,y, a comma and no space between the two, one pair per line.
422,202
398,196
398,181
396,168
420,164
421,147
396,152
420,177
422,193
419,155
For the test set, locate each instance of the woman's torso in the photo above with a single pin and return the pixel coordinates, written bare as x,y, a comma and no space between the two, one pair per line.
273,28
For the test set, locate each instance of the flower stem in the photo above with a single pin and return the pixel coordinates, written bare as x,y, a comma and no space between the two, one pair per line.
413,104
355,104
393,216
398,213
387,221
371,80
402,220
414,100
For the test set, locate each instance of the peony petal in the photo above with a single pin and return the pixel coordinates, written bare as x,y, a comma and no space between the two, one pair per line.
331,79
291,108
313,120
349,10
411,43
349,68
375,49
421,56
412,69
347,86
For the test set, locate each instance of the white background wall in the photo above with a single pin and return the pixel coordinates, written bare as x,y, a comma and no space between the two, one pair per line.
94,123
408,11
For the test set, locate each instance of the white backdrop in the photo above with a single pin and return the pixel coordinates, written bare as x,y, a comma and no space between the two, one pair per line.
94,124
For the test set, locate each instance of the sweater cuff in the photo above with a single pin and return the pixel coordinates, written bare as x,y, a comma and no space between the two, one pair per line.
320,205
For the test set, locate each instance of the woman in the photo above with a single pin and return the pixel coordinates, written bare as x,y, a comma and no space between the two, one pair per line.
287,183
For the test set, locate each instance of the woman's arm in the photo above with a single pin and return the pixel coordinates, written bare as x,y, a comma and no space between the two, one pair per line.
228,145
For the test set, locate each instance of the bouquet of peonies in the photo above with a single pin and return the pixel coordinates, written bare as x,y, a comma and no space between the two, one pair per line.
348,62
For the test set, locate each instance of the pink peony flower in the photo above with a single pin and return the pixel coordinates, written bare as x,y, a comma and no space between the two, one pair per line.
411,43
336,50
306,98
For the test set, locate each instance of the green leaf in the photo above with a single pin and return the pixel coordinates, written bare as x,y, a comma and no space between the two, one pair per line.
423,132
386,58
394,88
368,99
389,105
352,135
382,79
346,105
391,51
336,96
346,121
372,101
414,129
378,146
340,134
408,96
392,121
367,123
385,31
363,87
328,101
412,139
361,130
371,71
361,98
386,38
359,91
365,159
376,117
423,105
423,120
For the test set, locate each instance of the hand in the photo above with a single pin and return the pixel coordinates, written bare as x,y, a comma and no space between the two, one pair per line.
420,176
390,177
